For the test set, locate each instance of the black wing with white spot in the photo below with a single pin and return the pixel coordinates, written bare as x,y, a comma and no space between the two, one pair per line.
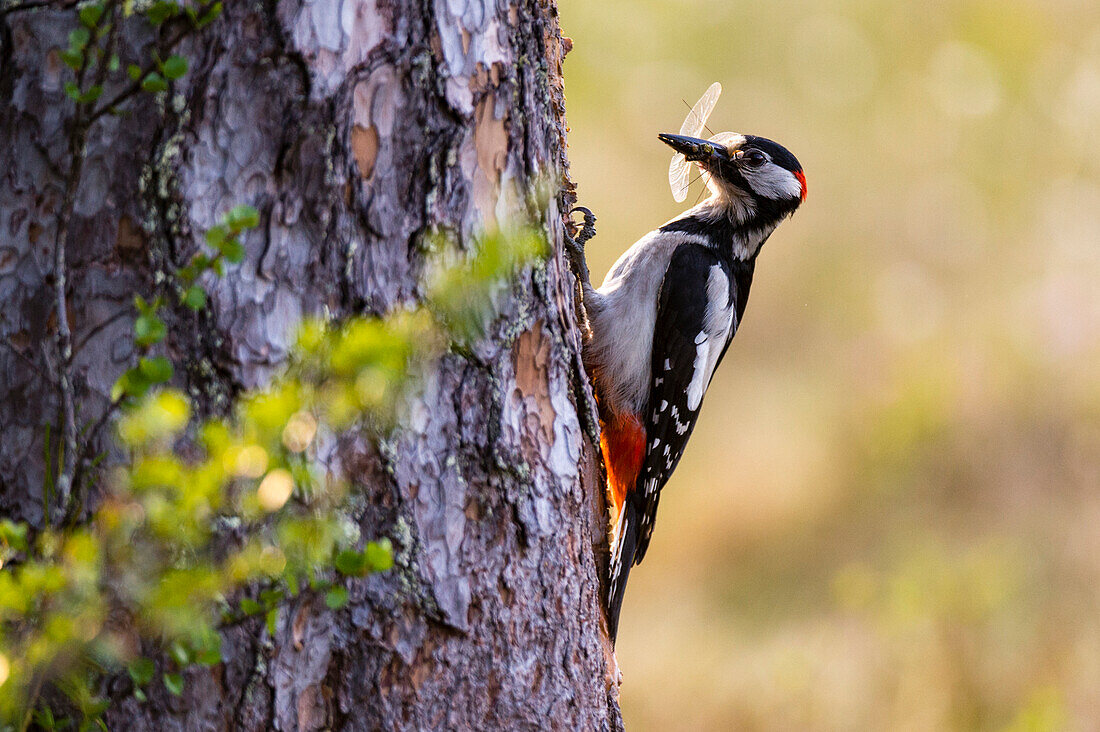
697,315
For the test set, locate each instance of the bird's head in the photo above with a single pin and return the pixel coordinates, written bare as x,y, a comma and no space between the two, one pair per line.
748,175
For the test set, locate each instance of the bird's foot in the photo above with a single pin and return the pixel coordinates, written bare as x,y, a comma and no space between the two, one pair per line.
588,228
576,238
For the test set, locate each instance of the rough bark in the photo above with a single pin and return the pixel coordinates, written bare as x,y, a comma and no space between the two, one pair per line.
354,126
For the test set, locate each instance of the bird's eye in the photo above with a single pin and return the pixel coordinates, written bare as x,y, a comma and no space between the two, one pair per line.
755,158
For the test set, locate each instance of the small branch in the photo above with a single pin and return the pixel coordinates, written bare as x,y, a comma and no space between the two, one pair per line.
72,512
15,7
111,12
21,356
99,329
32,700
135,86
78,137
64,334
73,459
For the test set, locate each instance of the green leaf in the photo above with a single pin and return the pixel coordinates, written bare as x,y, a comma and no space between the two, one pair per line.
113,63
336,598
271,619
195,298
243,217
251,607
148,329
161,11
207,648
134,71
174,684
379,555
351,563
215,235
174,67
90,15
72,58
132,383
179,653
211,15
95,708
14,534
44,718
157,369
141,670
140,695
91,95
210,656
72,91
271,596
233,251
79,38
154,83
200,263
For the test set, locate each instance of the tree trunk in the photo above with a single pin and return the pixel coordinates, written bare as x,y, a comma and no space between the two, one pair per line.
355,127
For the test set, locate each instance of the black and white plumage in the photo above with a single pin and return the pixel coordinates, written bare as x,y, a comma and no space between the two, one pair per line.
662,321
690,338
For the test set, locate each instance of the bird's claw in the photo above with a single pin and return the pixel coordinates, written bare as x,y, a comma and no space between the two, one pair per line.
588,229
577,238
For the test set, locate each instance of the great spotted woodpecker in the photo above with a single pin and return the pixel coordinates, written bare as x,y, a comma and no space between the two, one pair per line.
664,317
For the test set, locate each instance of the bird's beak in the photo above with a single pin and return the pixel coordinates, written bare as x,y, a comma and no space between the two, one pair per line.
695,149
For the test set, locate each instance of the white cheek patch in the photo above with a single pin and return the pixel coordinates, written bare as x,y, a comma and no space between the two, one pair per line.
773,181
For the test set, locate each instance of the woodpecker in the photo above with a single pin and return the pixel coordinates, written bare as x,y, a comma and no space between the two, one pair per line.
663,318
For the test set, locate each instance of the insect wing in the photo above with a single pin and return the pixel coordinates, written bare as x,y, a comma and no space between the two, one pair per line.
678,177
679,169
696,121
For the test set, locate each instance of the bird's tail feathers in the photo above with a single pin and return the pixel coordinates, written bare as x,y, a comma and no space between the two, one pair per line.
622,559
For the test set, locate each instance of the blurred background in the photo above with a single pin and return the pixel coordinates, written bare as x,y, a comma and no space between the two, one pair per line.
889,515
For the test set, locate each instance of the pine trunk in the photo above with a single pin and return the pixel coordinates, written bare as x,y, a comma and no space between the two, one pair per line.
355,127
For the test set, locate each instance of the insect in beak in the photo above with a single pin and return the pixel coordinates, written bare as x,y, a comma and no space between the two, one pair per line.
695,149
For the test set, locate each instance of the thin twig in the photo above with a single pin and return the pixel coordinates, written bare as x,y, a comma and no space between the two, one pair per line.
72,468
32,700
33,4
73,511
135,86
78,137
99,329
108,50
22,356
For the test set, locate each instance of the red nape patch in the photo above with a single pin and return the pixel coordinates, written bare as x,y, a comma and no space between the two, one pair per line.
801,179
622,441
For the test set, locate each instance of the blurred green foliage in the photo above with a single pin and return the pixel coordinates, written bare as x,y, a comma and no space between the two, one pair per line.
887,516
212,521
